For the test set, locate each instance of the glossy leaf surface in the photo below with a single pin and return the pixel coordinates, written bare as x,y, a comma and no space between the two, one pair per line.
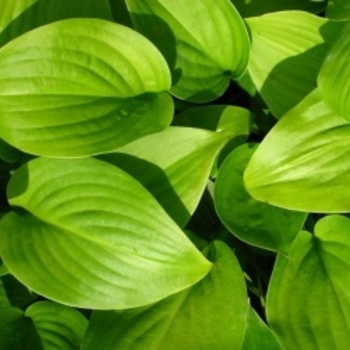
288,49
96,234
334,76
302,164
205,43
177,176
59,326
80,87
308,303
20,16
254,222
209,315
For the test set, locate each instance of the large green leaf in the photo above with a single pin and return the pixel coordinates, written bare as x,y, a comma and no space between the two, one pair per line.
252,221
303,163
338,9
250,8
258,336
288,49
80,87
204,42
209,315
20,16
59,326
334,77
308,303
176,175
96,235
17,331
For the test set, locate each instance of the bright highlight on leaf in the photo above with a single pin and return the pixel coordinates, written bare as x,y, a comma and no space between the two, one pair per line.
205,43
308,304
96,234
303,163
210,315
73,88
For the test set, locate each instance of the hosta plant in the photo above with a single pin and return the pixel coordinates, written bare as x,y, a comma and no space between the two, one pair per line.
174,174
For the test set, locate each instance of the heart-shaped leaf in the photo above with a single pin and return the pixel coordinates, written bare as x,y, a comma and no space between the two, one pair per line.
288,49
258,336
209,315
302,164
80,87
58,326
204,42
334,77
252,221
20,16
177,175
308,302
96,234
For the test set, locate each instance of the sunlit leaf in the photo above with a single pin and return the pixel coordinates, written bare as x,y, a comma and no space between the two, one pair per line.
288,49
302,164
252,221
20,16
59,326
308,303
80,87
209,315
178,174
205,43
96,234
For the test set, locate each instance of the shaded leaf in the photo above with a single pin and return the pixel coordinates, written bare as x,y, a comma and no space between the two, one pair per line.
8,153
308,303
338,9
302,164
252,221
96,234
20,16
59,326
178,174
80,87
204,44
288,49
209,315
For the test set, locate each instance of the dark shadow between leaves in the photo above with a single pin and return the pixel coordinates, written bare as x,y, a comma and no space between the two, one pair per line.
155,180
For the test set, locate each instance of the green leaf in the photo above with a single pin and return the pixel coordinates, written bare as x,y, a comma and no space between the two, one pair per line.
20,16
59,326
17,331
338,9
209,315
8,153
302,164
308,303
178,174
204,44
120,12
250,8
288,49
96,234
334,75
254,222
258,336
80,87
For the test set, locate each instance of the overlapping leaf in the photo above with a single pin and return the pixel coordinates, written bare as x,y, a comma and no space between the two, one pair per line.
59,326
178,174
96,234
303,163
20,16
288,49
334,77
209,315
308,304
252,221
80,87
204,42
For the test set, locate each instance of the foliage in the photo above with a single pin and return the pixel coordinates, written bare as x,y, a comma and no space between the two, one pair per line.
174,174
